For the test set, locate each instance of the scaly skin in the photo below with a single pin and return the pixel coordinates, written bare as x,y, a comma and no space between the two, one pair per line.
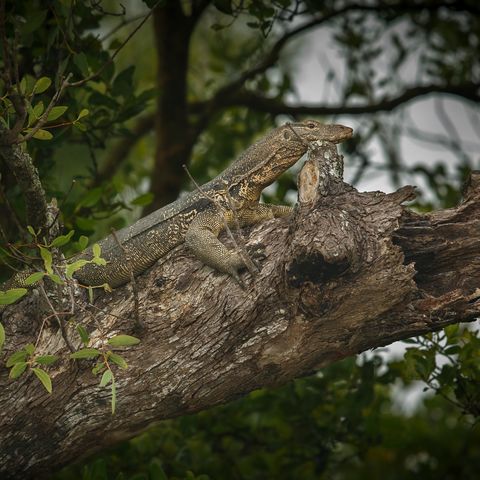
197,221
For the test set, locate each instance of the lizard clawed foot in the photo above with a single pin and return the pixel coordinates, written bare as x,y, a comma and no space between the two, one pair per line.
257,255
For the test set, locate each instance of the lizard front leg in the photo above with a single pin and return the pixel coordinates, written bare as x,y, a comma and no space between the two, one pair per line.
202,239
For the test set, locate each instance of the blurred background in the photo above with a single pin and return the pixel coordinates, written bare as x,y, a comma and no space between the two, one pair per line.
195,83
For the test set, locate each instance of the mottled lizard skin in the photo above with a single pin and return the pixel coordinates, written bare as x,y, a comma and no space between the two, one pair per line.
196,220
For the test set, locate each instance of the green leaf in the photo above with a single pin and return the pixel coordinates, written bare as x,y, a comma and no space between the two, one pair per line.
114,395
83,334
55,278
56,112
29,348
98,368
142,200
33,278
2,337
31,231
38,109
83,113
35,20
17,357
23,85
122,85
85,353
156,471
91,198
42,135
80,126
63,239
85,223
18,369
12,295
106,378
80,60
47,258
44,377
453,350
99,261
42,84
119,360
123,341
96,249
83,242
73,267
46,359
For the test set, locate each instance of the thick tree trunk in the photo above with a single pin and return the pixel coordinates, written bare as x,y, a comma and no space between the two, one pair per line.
172,131
348,272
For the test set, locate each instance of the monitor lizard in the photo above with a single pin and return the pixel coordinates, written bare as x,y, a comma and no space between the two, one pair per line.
198,218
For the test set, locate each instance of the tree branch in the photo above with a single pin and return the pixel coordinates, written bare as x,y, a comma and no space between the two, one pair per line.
26,175
469,91
273,55
348,272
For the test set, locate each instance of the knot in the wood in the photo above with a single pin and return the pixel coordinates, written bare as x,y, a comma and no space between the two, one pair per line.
325,246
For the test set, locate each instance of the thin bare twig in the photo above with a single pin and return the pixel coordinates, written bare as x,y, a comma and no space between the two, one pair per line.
117,51
59,320
249,263
122,24
239,247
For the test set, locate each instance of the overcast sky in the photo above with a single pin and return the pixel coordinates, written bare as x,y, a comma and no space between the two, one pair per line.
318,55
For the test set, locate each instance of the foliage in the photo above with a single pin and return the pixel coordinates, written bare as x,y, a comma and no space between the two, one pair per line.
25,359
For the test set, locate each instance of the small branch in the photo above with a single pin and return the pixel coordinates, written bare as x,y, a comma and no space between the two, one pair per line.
59,320
26,174
122,24
240,247
117,51
249,263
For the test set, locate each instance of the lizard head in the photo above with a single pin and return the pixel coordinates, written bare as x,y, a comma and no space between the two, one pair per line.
290,141
311,130
266,160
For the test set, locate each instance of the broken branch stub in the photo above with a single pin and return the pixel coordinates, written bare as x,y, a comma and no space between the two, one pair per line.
341,242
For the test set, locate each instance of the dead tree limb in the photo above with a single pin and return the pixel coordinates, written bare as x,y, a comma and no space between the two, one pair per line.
348,272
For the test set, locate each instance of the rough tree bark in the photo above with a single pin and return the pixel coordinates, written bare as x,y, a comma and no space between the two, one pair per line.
348,272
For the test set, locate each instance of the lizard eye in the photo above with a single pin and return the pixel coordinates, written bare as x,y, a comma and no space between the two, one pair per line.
311,125
286,135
